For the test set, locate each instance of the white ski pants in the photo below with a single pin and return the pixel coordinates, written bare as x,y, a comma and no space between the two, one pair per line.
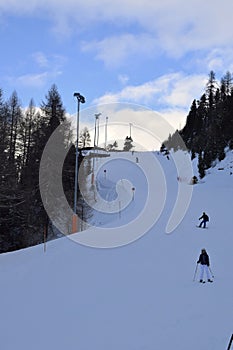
204,268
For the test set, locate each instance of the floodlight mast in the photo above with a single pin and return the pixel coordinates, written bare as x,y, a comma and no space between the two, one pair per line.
80,99
106,133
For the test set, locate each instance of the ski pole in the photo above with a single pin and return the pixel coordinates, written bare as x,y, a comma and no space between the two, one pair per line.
231,340
211,272
195,273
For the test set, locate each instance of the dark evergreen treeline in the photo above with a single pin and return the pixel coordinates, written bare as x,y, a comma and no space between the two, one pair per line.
209,124
23,136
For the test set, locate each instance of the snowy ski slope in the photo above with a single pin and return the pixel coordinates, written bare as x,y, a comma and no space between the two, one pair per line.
140,296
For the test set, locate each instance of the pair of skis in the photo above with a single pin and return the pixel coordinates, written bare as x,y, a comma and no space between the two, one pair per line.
205,282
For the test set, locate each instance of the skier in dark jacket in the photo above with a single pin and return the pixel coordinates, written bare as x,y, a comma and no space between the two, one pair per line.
205,263
205,219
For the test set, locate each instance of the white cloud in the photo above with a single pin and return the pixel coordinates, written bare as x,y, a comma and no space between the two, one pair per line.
41,59
32,80
148,128
143,93
219,60
171,95
113,51
170,90
142,29
123,79
178,25
47,69
53,62
176,117
184,90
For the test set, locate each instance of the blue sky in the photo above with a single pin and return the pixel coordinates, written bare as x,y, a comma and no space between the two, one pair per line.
154,53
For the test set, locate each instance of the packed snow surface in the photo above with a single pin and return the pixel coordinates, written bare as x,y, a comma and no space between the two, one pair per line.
140,296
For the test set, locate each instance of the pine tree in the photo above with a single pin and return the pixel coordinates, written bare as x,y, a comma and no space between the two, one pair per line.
84,138
53,114
4,133
38,126
209,124
15,116
188,131
201,166
112,146
10,195
128,144
210,90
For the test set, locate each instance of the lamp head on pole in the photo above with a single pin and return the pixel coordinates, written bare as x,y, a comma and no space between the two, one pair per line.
80,98
97,115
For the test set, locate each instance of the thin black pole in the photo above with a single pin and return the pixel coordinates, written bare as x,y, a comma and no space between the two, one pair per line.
76,162
231,340
106,132
194,277
81,99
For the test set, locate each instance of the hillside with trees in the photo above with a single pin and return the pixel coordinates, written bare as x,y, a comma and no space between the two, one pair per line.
207,134
208,131
23,136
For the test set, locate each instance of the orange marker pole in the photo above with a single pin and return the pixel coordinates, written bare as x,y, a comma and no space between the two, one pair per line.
74,223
